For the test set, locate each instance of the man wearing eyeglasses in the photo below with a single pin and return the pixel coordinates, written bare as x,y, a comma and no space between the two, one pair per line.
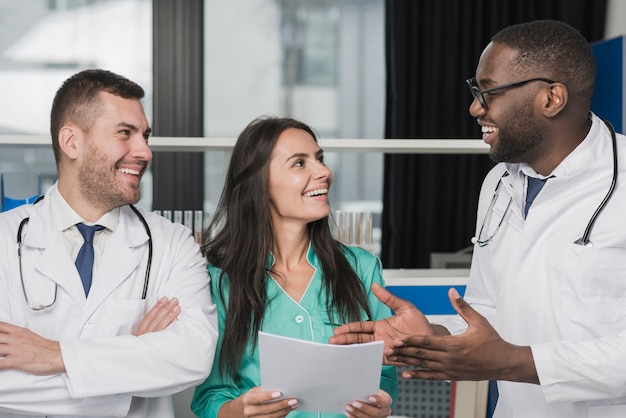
544,311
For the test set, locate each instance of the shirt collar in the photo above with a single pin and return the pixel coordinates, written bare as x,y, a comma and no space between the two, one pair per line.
64,217
577,159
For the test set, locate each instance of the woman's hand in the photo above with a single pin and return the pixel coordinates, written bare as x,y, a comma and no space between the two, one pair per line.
258,403
378,406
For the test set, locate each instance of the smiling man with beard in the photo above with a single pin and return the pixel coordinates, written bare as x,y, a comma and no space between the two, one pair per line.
110,322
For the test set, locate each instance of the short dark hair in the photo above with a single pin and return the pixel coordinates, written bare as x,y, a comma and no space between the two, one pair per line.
554,50
78,101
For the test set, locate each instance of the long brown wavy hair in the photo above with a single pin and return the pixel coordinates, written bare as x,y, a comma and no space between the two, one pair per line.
239,238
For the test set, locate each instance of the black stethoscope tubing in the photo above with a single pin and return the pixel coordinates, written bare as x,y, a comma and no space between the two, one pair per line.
584,240
146,280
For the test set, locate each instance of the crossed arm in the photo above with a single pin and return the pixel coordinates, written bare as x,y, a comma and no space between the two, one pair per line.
477,354
22,349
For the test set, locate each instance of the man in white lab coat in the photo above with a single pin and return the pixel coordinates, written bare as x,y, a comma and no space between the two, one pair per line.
123,343
545,307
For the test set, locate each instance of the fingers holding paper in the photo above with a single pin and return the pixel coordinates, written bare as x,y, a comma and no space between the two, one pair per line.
378,406
266,404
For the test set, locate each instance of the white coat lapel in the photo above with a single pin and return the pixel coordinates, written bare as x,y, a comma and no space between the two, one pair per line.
55,267
53,264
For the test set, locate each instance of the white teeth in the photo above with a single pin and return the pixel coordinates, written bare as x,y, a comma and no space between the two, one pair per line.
488,129
128,171
316,192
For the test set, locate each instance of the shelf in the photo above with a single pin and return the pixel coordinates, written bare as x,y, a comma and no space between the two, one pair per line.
26,141
389,146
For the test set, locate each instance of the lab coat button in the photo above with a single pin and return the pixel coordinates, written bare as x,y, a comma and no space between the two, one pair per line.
299,319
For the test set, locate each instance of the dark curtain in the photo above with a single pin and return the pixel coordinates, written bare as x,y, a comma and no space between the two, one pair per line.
178,51
429,201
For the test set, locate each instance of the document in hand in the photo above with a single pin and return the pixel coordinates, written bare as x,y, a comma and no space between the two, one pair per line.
323,377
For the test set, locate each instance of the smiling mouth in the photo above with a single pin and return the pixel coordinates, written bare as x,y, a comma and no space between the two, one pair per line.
488,131
129,171
316,192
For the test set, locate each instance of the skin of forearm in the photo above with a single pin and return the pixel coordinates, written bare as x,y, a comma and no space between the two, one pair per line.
56,358
519,364
522,367
231,409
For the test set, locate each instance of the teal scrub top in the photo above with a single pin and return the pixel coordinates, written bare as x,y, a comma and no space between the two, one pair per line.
307,320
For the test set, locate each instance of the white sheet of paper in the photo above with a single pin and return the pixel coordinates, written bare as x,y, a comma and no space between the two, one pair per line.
323,377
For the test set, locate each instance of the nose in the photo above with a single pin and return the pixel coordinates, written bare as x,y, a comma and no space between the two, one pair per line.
476,108
141,150
322,171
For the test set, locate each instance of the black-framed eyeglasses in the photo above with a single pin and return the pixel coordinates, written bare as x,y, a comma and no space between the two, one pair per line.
477,93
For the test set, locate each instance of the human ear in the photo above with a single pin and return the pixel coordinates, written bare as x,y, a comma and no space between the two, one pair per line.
556,98
70,141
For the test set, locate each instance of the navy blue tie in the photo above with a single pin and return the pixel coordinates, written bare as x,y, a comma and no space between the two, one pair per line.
534,186
84,260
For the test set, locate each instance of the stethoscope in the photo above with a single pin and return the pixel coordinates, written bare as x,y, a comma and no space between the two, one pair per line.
584,240
24,221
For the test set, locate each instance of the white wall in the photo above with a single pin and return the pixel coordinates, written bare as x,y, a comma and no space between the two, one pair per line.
615,19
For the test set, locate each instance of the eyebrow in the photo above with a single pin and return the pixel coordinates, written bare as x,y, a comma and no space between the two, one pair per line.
133,127
304,155
487,82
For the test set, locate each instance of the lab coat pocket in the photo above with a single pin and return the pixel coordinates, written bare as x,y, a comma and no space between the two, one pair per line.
122,317
593,284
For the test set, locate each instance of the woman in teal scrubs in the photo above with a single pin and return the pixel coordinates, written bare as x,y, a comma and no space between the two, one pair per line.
276,268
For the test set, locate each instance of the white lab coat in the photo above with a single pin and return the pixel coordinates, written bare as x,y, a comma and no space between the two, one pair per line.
566,301
109,371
